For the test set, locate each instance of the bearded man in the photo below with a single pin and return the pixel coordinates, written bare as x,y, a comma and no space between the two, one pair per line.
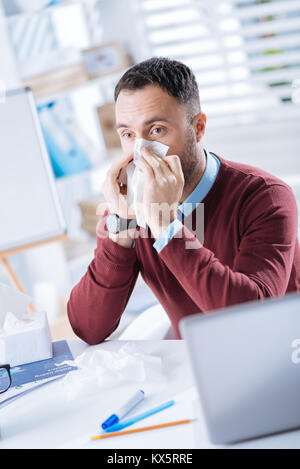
246,250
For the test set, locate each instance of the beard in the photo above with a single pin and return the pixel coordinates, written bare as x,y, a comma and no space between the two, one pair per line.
189,157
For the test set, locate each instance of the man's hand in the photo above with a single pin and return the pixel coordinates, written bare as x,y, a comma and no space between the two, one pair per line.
116,200
114,194
164,183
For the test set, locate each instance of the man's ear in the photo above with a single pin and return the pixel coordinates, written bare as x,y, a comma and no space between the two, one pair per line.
199,123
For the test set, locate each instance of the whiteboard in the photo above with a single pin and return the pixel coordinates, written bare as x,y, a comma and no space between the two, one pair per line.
29,205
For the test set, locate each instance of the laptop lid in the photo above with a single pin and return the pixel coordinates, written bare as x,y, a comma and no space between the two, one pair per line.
246,364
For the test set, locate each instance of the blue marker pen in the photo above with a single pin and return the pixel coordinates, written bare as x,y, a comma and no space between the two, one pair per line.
138,397
137,418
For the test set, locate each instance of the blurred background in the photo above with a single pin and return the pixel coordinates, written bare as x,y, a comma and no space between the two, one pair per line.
246,57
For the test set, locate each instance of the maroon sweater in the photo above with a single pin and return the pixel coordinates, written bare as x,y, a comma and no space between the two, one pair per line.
250,251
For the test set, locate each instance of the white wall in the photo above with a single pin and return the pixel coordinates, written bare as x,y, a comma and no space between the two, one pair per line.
272,146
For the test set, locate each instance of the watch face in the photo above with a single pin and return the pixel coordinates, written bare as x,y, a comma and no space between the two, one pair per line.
113,223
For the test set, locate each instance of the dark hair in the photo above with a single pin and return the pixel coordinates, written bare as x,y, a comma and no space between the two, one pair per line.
172,76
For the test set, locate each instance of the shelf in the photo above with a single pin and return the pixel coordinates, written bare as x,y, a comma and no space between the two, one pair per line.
46,10
91,82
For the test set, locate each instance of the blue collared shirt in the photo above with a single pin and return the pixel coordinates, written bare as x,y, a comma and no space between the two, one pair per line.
192,201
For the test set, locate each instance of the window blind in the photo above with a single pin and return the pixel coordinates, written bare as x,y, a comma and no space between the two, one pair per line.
244,53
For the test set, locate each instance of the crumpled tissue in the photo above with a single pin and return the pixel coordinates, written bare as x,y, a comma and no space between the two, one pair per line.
133,177
24,338
103,369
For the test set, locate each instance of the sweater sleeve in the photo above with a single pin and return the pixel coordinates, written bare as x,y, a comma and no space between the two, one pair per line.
262,266
97,302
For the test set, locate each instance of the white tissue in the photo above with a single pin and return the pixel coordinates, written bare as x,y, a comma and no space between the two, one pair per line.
12,302
12,323
104,369
24,338
135,178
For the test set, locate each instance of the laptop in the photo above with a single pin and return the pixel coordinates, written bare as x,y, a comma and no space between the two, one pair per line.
246,363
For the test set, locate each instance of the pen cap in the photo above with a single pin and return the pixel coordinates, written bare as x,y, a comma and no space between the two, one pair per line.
112,420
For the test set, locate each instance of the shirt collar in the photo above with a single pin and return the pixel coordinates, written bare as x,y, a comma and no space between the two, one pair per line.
202,189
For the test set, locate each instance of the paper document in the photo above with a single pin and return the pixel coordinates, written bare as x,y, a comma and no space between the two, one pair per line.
33,375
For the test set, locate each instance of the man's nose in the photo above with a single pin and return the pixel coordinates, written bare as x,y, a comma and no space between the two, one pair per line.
141,134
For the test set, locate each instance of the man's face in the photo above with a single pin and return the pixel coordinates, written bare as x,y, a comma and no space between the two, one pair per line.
151,113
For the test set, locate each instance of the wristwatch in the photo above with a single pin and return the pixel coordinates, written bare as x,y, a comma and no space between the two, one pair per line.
115,224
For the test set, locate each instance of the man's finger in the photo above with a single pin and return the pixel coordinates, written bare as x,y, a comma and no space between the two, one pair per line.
146,168
174,164
156,162
118,165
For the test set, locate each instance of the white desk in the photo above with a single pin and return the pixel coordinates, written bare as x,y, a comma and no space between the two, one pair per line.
45,418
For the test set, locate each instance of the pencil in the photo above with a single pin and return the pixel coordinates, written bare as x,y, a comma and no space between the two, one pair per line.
143,429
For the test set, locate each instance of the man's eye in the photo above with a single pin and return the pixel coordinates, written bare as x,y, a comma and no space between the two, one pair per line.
157,130
127,135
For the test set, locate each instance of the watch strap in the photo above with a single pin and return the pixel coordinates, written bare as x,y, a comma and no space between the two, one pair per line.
126,223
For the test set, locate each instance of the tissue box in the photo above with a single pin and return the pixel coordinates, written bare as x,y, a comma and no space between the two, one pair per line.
30,341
